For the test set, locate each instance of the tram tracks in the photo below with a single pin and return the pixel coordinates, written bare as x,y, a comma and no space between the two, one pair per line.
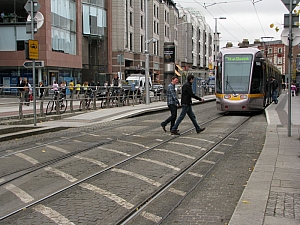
114,168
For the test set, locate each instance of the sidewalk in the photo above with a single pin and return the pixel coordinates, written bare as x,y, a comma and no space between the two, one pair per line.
272,194
89,117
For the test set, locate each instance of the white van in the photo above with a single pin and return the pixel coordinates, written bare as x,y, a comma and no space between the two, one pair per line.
138,80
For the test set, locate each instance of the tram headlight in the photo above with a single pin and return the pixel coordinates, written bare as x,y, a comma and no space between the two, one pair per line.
227,96
243,96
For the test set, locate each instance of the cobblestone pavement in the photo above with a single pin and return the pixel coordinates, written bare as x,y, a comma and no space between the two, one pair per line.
214,200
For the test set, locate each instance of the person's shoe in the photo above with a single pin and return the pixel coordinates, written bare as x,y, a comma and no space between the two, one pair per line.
163,127
174,132
201,129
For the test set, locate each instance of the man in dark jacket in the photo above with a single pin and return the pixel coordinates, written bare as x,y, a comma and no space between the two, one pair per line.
186,103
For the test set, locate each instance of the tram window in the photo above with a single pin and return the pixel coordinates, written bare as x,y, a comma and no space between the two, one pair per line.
237,70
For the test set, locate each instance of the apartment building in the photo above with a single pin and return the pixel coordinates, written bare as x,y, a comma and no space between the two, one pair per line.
72,41
195,42
129,40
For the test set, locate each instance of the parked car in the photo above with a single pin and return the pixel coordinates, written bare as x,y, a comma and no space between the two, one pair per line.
157,89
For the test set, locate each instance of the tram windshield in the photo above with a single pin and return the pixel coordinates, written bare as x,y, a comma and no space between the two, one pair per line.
237,71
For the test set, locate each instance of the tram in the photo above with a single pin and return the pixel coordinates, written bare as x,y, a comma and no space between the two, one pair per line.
242,80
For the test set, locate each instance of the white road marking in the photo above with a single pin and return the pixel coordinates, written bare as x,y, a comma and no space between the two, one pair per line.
138,176
178,192
176,153
133,143
22,195
207,161
227,144
61,173
235,139
2,180
57,149
159,163
77,141
52,215
222,153
122,202
91,160
151,217
187,145
159,140
27,158
195,174
94,135
116,151
197,139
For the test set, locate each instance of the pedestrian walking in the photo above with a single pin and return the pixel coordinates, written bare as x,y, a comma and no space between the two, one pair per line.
42,89
186,103
20,86
78,87
274,89
71,88
293,89
172,103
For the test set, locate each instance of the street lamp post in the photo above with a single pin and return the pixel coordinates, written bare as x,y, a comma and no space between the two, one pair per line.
216,40
146,55
186,45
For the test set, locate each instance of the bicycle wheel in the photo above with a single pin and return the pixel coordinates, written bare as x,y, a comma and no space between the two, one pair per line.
50,107
62,106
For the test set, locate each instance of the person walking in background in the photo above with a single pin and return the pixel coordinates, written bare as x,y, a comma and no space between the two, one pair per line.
63,88
115,81
274,89
71,88
20,86
186,103
78,86
42,89
26,92
172,103
293,89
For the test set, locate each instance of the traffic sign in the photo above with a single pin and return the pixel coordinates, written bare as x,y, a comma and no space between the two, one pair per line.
29,64
36,7
33,47
287,3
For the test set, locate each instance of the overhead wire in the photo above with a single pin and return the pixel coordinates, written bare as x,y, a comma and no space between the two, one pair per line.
253,2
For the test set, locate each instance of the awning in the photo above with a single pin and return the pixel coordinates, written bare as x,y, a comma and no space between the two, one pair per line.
178,74
179,68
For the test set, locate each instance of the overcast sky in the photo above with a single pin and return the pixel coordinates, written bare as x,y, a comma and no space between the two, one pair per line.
244,19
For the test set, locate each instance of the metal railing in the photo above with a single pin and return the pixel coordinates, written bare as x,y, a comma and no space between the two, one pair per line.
91,98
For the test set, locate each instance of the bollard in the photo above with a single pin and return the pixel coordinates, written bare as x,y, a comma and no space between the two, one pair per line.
42,106
21,104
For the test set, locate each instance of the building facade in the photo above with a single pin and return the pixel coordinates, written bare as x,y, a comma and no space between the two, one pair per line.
72,42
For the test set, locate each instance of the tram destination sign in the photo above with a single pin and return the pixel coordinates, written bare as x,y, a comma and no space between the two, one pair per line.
238,58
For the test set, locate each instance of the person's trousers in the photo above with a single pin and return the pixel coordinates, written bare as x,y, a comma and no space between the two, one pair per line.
274,95
186,109
172,118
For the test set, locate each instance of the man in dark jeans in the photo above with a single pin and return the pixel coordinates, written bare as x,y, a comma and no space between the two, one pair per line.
274,88
172,102
186,103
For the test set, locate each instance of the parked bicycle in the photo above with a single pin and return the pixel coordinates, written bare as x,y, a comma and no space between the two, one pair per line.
61,101
86,101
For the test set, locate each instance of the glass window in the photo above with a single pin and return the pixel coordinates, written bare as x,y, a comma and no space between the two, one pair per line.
257,83
237,70
130,18
63,30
